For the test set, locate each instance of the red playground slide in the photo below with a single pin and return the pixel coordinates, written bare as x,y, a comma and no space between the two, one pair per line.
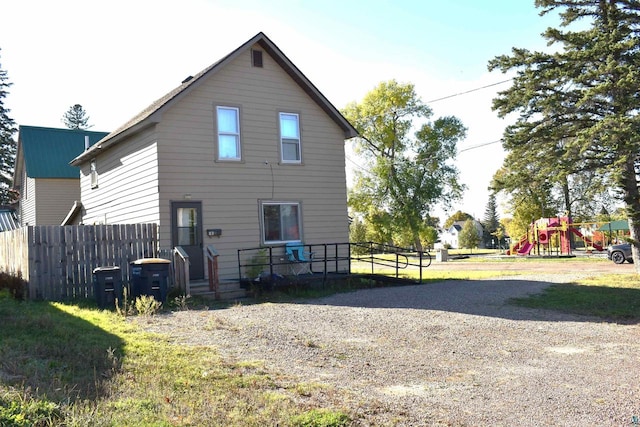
586,239
525,249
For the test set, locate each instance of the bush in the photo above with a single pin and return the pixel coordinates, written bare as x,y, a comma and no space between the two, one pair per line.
321,418
146,305
15,285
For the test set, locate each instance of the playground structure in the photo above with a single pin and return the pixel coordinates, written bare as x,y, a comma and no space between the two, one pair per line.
552,236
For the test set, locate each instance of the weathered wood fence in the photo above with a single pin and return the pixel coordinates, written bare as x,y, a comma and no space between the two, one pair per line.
58,262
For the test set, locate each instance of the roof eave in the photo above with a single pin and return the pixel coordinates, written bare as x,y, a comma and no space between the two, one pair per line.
108,141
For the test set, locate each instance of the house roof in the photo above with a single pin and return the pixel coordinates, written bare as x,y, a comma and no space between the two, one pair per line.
48,151
621,224
152,113
73,213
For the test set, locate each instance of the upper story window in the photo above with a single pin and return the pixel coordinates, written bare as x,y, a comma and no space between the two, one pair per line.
290,138
94,174
228,122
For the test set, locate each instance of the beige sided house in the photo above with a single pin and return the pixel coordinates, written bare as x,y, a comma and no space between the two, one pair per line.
246,153
47,184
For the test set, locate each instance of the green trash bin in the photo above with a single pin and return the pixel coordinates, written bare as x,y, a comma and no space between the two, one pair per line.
107,286
150,276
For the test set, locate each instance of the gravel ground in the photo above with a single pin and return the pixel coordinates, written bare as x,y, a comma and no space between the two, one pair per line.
451,353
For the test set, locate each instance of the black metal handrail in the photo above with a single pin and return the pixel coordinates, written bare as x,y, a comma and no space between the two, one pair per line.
332,258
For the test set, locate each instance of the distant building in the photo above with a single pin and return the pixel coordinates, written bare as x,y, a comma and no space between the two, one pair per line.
8,220
48,185
450,235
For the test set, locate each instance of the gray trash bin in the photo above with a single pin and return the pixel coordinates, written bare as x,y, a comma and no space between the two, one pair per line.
107,286
150,276
442,255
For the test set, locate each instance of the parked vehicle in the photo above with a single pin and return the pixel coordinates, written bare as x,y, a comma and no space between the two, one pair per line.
620,253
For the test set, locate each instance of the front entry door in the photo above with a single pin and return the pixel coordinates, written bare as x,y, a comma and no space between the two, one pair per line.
186,232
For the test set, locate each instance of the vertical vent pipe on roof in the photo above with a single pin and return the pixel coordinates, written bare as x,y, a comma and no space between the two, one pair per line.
86,142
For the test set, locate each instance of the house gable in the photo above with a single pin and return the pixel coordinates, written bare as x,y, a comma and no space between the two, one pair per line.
153,113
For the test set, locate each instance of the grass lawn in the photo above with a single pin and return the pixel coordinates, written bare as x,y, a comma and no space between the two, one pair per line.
65,364
613,297
75,365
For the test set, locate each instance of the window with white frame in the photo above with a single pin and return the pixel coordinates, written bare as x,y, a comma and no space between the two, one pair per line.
280,222
94,174
228,122
290,138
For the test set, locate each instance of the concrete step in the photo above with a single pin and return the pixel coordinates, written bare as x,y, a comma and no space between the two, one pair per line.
226,290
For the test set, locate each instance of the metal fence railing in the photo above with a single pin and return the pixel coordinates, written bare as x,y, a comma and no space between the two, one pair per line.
328,258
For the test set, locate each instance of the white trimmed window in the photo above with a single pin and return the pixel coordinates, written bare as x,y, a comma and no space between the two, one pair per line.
228,122
280,222
94,174
290,138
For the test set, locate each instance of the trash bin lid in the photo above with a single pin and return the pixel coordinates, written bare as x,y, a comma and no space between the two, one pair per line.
151,261
107,268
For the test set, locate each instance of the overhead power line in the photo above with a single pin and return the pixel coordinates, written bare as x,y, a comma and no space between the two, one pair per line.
479,145
468,91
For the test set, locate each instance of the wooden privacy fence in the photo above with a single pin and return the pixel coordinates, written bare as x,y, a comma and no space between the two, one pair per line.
58,262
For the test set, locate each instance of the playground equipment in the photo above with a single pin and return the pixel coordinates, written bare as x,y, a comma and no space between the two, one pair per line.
551,236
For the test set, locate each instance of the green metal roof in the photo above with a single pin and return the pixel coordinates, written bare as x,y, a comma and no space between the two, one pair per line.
48,151
621,224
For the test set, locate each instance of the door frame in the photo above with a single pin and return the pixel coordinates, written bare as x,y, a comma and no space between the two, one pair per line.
196,270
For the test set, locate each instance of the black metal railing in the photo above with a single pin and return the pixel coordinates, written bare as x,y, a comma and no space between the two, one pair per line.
328,258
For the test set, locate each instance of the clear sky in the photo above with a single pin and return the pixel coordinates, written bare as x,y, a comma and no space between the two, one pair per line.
115,57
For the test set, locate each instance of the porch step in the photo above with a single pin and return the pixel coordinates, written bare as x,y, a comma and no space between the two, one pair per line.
227,290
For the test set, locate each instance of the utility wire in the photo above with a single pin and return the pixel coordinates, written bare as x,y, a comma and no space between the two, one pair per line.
478,146
468,91
447,97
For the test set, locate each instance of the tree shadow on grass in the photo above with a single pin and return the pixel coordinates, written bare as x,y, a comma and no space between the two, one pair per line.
508,298
53,355
621,305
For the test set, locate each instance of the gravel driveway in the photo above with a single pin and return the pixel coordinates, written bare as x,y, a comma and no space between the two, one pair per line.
451,353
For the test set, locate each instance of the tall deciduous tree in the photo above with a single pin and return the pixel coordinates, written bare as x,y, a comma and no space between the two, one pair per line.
458,216
76,118
408,160
7,143
579,105
469,237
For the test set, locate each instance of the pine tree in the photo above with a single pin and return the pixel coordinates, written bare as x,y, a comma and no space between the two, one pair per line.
7,143
490,222
578,106
76,118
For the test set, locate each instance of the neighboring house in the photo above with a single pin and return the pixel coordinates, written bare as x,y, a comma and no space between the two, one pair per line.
246,153
8,220
47,184
450,236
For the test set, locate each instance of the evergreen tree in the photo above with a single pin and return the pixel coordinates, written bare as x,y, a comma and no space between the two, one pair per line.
7,144
490,222
76,118
579,105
